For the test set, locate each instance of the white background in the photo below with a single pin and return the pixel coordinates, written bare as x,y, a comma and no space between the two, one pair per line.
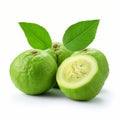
56,16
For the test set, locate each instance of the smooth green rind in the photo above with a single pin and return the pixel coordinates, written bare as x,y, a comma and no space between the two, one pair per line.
33,71
37,36
78,36
94,86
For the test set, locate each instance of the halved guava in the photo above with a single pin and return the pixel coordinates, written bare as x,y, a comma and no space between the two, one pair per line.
82,75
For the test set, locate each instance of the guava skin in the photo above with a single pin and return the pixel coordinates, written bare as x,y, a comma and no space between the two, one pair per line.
52,53
62,53
91,89
33,71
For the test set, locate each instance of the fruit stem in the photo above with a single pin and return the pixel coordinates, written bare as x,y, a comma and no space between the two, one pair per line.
55,46
34,52
85,50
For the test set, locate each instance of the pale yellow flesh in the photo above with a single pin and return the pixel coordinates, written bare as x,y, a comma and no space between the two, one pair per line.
77,71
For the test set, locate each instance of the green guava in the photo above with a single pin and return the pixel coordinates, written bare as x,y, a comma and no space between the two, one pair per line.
62,53
52,53
82,75
33,71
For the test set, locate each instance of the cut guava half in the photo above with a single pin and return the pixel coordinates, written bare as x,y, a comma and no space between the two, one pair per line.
82,75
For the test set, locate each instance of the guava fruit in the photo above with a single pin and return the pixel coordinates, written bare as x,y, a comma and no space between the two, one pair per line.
33,71
61,52
83,74
52,53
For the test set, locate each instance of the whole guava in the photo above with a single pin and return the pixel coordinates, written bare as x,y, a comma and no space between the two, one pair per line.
33,71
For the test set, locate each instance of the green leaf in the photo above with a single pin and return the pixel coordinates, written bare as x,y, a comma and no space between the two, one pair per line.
37,36
78,36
